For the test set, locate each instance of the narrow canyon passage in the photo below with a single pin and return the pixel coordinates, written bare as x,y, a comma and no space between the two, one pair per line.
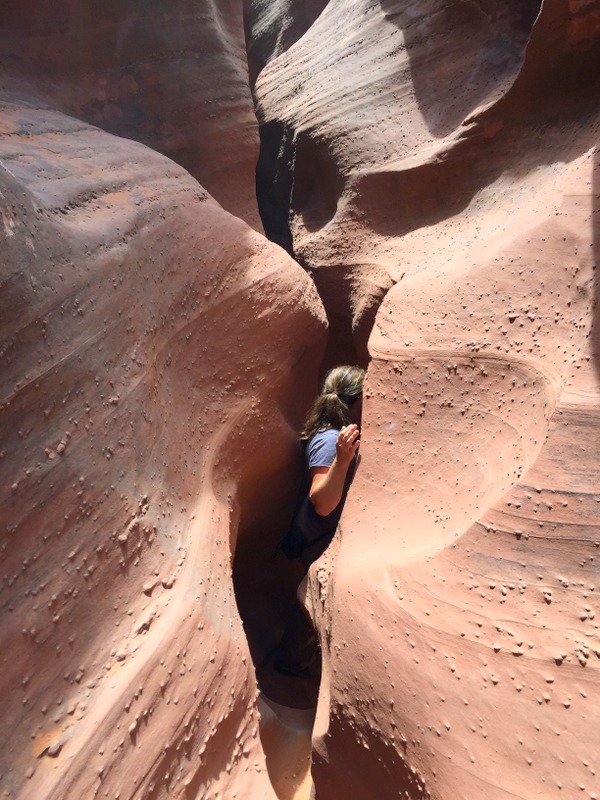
428,180
265,585
265,582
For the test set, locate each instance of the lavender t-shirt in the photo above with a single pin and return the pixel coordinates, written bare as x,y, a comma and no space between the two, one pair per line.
320,450
308,526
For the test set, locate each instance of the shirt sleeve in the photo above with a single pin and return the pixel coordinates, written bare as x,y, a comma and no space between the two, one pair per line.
321,448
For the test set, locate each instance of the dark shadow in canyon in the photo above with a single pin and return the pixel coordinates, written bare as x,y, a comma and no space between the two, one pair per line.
265,584
294,172
297,175
394,776
274,178
317,184
265,581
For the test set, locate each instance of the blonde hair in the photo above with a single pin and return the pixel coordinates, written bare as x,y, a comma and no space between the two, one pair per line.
341,389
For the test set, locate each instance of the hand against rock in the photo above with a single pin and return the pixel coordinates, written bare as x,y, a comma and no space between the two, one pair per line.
347,443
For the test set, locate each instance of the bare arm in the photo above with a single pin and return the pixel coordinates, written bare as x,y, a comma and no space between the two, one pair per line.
327,483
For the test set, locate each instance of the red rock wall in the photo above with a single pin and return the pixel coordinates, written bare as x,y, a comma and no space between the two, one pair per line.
137,389
467,179
138,386
465,191
174,78
434,168
380,105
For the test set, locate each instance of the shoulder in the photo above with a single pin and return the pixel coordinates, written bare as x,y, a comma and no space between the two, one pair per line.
323,437
321,448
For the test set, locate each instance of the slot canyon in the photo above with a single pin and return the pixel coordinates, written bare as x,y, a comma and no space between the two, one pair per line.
205,205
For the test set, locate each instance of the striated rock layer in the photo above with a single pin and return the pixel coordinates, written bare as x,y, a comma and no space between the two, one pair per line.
173,77
137,383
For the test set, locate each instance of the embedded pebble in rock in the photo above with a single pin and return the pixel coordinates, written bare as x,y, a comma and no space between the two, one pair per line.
54,748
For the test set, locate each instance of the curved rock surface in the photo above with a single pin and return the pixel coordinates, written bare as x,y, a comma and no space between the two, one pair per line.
458,609
174,78
434,167
137,384
411,117
469,546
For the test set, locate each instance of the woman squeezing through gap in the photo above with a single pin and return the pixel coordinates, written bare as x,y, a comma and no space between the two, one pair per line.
331,438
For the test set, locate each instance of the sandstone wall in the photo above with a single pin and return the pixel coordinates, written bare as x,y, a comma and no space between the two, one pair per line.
445,185
477,580
434,168
173,77
137,386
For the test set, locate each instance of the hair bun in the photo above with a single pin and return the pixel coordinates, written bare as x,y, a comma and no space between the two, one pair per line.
341,388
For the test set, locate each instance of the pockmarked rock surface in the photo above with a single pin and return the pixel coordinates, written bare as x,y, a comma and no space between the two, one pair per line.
137,382
413,114
459,208
474,597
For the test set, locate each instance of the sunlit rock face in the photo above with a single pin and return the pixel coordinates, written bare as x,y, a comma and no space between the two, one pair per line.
407,118
477,579
445,186
137,387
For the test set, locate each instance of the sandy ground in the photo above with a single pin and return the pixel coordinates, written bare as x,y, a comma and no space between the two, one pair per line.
286,736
